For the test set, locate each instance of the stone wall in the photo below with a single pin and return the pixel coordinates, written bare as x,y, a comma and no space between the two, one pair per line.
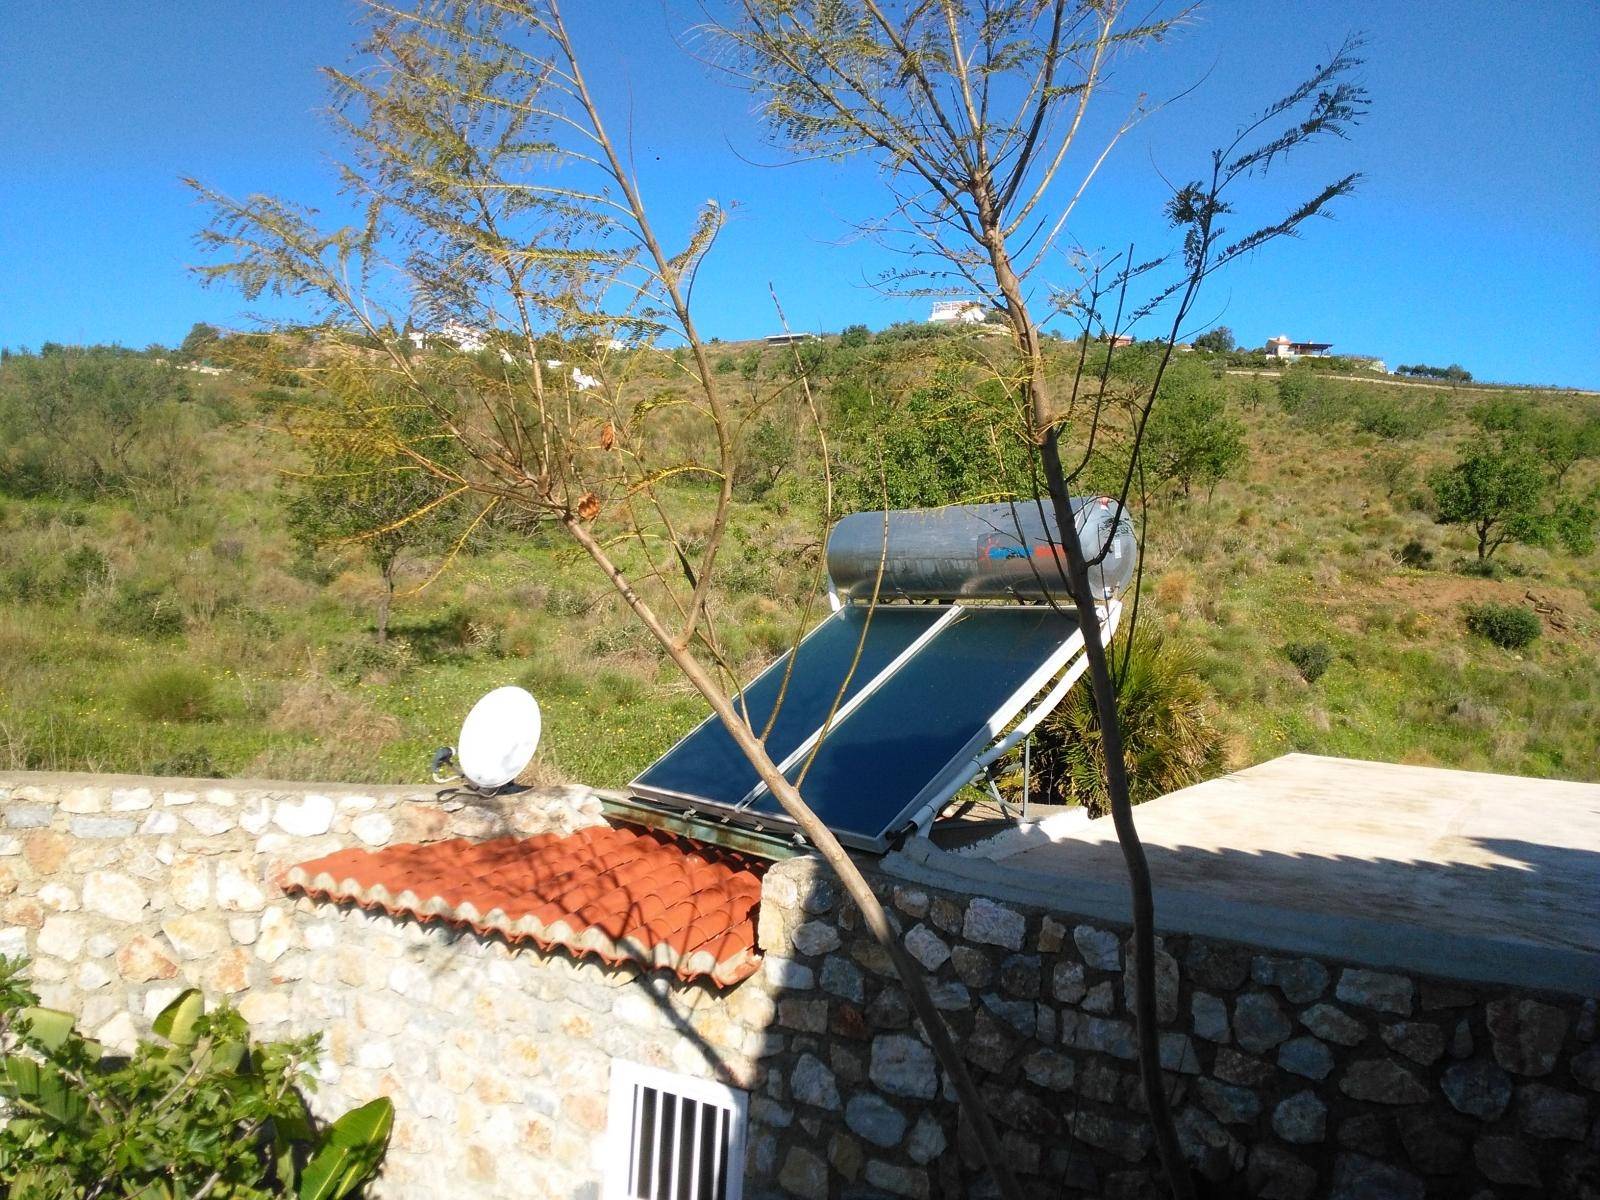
1292,1077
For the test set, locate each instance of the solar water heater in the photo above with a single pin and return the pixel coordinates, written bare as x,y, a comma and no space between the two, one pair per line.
950,638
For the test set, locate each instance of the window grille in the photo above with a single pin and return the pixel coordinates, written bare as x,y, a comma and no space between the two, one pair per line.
673,1137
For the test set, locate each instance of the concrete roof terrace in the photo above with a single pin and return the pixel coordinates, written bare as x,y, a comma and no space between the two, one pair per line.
1488,878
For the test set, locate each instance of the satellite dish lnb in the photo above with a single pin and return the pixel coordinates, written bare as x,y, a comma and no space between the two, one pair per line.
497,740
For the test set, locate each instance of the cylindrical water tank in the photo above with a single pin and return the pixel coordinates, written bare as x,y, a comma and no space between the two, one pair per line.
978,551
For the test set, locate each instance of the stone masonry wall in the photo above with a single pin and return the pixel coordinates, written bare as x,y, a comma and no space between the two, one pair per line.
1292,1077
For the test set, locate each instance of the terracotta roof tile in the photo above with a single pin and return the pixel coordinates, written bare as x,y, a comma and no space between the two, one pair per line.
619,894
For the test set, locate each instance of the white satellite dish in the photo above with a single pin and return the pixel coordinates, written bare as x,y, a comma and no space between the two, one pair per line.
497,740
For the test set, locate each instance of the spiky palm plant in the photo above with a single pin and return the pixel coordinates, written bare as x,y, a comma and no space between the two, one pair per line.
1169,738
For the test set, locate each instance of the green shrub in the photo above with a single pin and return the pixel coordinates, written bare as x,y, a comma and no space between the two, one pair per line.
1169,738
1311,659
201,1109
1506,625
1416,553
174,693
146,612
1480,568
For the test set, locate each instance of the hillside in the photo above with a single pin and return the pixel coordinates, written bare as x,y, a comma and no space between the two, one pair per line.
160,617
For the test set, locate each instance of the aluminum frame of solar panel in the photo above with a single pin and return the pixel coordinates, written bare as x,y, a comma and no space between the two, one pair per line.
706,769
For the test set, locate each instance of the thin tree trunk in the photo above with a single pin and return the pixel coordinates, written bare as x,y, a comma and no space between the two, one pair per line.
836,856
1146,1025
1047,434
385,602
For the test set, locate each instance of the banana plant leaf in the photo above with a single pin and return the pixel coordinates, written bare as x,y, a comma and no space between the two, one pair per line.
350,1152
176,1021
40,1088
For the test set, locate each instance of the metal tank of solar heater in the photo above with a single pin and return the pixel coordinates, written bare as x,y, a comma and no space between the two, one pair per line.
919,681
1010,551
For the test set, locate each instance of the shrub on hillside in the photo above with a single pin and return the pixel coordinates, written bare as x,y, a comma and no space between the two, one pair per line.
200,1110
1191,438
947,443
174,693
1169,738
89,421
1416,553
1506,625
146,612
1311,659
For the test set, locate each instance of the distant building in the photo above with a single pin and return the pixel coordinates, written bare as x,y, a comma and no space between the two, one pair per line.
1282,347
789,339
1122,339
467,339
463,337
959,312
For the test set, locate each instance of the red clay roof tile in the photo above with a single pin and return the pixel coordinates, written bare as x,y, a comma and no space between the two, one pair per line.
619,894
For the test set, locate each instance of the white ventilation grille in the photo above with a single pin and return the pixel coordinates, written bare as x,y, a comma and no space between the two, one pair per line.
673,1137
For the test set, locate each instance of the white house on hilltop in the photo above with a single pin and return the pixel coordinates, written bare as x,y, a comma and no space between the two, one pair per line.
1282,347
962,312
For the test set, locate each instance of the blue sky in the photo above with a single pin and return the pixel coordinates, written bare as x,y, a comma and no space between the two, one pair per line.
1476,238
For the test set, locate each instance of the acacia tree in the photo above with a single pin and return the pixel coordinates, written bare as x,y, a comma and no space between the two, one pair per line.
491,196
973,110
357,491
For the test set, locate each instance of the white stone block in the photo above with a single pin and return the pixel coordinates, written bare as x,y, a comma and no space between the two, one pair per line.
264,1008
83,800
374,1056
277,937
237,892
61,936
58,897
195,936
131,799
310,816
159,824
118,1034
92,975
100,945
208,819
256,816
242,930
112,895
157,998
176,799
375,829
48,970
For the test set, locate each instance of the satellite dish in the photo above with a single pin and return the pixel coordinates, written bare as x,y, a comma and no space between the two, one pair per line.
497,740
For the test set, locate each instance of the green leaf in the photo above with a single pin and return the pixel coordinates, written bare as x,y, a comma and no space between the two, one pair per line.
350,1152
50,1027
177,1020
43,1089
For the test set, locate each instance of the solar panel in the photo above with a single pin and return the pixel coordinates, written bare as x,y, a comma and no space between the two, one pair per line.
706,767
934,686
943,705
